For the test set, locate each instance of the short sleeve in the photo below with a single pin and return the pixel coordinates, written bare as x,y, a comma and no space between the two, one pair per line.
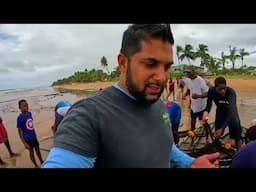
18,122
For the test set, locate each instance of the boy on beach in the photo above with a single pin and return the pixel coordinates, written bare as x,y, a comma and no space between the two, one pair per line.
27,132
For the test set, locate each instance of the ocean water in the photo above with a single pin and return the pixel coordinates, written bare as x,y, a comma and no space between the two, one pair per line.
43,97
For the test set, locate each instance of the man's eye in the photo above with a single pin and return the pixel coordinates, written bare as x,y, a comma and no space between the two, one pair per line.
150,64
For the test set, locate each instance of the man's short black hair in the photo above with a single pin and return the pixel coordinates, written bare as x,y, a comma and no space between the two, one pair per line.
132,37
220,80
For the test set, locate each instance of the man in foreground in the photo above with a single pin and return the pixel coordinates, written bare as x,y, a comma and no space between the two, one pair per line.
126,125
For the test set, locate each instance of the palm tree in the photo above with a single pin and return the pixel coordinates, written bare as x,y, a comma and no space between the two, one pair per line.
212,64
104,63
179,50
188,53
202,53
233,56
243,53
223,59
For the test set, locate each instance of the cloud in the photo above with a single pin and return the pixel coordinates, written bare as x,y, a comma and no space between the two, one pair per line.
54,50
42,53
217,37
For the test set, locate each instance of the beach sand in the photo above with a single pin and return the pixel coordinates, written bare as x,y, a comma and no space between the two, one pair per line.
42,109
244,88
83,86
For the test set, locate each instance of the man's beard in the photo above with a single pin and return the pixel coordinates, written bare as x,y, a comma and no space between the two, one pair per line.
141,96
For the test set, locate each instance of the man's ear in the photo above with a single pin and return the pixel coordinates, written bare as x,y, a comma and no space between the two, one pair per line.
122,62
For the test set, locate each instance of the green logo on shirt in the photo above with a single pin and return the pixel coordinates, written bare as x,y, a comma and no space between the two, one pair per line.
166,118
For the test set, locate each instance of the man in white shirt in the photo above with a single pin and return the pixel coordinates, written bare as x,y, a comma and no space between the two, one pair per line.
197,90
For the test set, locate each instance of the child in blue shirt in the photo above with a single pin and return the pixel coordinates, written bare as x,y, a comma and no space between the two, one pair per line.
27,132
174,112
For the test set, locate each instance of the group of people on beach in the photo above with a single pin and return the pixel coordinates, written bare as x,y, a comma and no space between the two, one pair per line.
127,125
201,93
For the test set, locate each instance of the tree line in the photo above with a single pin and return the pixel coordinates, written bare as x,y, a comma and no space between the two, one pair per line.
92,75
212,64
206,60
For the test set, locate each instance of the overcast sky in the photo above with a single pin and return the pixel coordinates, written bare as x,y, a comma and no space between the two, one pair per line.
33,55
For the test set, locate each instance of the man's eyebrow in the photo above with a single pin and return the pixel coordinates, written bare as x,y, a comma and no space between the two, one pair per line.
151,59
156,61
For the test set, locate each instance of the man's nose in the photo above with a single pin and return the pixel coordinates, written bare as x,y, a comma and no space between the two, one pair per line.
160,74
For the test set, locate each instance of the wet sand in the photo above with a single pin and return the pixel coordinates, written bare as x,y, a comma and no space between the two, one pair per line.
42,109
83,86
244,88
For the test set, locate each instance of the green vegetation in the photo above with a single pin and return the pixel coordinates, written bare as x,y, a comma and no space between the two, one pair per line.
228,73
213,66
92,75
89,76
209,62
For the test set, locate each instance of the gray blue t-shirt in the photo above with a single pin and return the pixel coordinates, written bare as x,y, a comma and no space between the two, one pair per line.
117,130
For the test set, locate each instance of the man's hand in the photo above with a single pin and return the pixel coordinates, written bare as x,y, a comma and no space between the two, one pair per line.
218,133
205,115
205,161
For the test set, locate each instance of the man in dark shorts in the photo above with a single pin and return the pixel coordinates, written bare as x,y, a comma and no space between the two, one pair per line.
226,113
197,91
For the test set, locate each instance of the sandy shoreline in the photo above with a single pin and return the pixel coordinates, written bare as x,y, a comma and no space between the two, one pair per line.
243,86
82,86
42,108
